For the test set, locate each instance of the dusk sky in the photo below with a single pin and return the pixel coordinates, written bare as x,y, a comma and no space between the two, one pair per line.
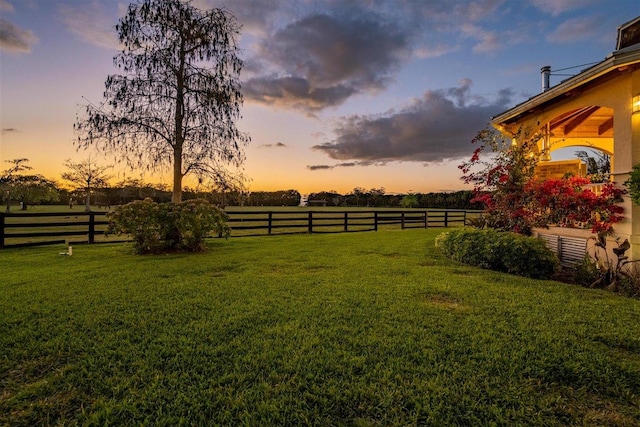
338,93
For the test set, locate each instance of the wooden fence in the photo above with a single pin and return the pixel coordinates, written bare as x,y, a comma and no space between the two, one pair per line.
35,229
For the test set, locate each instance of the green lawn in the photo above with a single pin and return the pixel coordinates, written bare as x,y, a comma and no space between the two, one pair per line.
361,329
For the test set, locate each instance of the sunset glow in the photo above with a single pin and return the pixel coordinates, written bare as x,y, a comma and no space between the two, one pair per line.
338,94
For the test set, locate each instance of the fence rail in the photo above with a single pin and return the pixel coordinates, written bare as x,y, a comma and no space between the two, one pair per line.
36,229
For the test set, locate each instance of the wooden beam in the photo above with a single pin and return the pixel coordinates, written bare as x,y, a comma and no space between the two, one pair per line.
607,125
562,119
579,119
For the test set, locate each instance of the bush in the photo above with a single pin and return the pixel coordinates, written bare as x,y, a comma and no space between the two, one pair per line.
633,185
501,251
158,227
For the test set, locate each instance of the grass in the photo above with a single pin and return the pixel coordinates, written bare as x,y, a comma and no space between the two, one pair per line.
364,329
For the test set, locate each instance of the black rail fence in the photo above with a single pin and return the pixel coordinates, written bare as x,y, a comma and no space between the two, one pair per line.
37,229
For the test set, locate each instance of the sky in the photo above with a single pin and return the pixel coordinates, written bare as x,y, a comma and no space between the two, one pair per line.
338,94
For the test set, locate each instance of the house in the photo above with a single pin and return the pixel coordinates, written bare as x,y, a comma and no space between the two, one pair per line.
598,108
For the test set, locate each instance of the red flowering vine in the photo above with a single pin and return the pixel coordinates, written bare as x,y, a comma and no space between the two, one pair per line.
569,202
504,182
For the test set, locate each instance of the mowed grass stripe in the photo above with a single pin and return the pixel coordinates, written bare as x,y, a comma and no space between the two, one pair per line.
341,329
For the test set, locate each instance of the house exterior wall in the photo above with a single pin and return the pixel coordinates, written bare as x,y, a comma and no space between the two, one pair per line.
615,93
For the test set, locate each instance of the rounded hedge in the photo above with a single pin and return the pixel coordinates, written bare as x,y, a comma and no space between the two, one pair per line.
158,227
499,250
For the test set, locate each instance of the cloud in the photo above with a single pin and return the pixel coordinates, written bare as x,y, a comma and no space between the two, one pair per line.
556,7
318,54
488,41
90,22
573,30
13,38
344,165
6,6
434,51
10,130
432,129
321,60
276,145
319,167
254,15
294,92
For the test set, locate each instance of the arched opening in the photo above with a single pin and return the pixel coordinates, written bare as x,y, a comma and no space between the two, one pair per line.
590,126
586,129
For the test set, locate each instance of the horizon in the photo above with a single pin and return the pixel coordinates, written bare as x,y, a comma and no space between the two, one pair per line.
401,100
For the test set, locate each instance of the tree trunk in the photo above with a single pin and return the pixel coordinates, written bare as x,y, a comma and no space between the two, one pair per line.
178,137
87,203
176,197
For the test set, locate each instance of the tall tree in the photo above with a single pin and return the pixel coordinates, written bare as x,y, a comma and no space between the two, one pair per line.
33,189
8,178
177,101
86,176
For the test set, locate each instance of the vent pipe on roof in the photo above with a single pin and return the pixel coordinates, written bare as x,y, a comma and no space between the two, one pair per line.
546,72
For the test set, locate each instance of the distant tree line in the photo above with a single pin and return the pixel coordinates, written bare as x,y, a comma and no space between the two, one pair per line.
86,183
376,197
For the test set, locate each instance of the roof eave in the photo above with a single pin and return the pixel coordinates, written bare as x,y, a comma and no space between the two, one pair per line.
616,60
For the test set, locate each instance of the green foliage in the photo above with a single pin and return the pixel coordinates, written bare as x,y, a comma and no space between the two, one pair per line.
500,251
409,201
633,185
8,177
157,227
29,189
586,271
619,274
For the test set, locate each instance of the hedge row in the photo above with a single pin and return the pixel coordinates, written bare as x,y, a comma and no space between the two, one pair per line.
500,251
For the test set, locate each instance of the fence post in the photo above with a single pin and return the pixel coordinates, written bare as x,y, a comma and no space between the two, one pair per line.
310,223
270,220
375,221
464,218
346,221
426,218
446,218
92,227
1,230
402,220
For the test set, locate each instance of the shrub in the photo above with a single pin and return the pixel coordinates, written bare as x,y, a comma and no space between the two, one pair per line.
633,185
141,220
586,272
194,220
617,274
157,227
501,251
